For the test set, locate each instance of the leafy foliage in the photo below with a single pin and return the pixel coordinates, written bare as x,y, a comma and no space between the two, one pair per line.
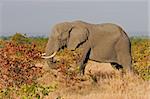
67,67
27,91
20,39
18,64
141,56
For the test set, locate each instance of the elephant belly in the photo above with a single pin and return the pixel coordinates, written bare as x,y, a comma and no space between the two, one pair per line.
103,54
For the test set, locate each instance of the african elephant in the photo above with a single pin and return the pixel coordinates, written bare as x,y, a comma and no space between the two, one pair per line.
107,42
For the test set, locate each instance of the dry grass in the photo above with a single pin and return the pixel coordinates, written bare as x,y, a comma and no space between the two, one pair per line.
109,84
107,96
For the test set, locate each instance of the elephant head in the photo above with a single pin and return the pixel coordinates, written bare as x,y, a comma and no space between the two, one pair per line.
65,34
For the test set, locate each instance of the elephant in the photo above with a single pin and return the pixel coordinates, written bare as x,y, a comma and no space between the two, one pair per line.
104,43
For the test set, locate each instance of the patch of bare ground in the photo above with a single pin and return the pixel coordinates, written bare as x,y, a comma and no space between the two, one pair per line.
101,81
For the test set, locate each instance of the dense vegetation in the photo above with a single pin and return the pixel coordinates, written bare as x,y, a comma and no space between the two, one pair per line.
20,72
141,56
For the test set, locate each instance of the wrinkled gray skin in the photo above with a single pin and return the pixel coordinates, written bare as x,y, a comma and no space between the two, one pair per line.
107,43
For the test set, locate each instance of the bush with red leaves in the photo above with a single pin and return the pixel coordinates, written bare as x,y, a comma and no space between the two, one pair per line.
17,64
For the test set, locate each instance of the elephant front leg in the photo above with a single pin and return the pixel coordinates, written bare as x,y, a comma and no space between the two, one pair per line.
84,59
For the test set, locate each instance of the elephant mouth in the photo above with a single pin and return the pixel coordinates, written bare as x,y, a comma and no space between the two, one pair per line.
48,57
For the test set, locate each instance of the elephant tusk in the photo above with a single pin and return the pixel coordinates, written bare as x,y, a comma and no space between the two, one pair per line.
43,54
51,56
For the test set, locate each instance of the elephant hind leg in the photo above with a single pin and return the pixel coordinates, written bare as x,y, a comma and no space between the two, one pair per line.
123,52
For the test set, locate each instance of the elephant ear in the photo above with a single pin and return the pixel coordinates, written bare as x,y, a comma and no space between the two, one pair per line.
61,30
65,29
78,36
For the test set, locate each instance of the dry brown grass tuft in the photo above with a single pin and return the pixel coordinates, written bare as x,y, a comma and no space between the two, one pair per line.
110,84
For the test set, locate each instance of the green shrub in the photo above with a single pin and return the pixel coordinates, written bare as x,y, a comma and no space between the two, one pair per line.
141,56
20,38
27,91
